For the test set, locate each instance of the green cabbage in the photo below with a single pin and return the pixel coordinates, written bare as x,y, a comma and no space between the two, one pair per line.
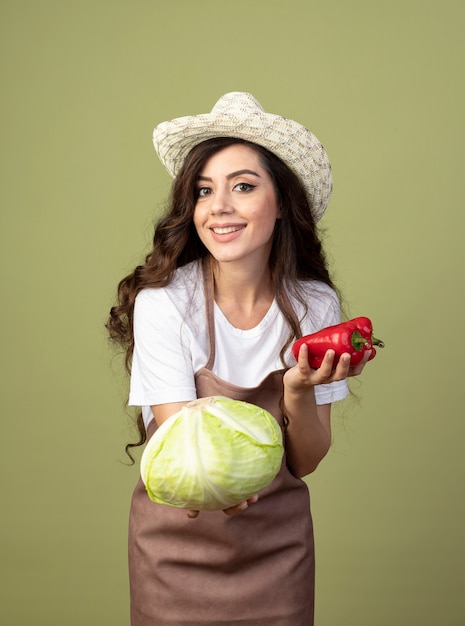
214,453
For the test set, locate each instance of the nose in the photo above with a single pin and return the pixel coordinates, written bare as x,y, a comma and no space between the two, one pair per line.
220,203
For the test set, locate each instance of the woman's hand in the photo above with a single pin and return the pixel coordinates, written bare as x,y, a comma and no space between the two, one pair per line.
302,376
238,508
233,510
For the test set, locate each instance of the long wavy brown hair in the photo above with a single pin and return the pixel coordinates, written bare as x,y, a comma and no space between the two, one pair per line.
296,254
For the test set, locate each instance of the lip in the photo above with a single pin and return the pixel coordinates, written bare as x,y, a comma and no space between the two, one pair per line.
226,232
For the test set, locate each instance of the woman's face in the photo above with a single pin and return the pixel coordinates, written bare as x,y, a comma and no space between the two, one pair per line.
236,208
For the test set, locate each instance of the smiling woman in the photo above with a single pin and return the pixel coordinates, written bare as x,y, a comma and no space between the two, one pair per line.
236,274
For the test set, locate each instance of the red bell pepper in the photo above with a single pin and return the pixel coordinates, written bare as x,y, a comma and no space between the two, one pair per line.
354,337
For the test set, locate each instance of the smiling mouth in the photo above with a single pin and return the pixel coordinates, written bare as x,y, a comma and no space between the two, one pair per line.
225,230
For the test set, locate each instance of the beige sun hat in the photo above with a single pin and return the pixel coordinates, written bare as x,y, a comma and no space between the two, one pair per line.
240,115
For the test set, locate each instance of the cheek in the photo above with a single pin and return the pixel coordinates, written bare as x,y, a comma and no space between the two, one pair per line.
269,213
197,220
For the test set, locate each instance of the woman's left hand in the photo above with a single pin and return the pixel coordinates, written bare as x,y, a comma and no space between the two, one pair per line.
302,376
238,508
232,510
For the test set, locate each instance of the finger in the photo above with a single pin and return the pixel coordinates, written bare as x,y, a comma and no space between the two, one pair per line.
238,508
357,370
367,356
192,514
302,360
242,506
343,367
327,365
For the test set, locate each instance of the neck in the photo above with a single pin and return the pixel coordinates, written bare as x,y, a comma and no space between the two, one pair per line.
241,283
244,294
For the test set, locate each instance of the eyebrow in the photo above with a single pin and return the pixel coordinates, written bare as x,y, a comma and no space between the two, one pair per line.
232,175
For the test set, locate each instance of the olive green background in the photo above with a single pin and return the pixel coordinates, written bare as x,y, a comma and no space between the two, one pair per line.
381,85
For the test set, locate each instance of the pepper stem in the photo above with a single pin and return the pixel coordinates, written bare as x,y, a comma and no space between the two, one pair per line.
377,342
358,341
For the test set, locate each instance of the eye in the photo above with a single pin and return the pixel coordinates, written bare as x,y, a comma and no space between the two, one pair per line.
201,192
244,187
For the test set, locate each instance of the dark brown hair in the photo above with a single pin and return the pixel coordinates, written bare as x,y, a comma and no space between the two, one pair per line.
296,254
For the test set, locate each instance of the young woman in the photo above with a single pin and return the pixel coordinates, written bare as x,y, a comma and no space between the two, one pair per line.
236,274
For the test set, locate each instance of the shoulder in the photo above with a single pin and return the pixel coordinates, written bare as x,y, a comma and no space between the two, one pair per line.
317,289
181,297
322,306
186,281
317,293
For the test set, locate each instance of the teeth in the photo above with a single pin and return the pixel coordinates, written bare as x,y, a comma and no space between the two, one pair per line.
226,230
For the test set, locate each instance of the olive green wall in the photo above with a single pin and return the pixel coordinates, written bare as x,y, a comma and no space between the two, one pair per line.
83,84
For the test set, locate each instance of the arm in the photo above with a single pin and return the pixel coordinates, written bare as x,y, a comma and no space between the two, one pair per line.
308,434
162,369
161,412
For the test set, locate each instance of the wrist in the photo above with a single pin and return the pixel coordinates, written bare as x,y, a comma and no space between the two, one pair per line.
298,403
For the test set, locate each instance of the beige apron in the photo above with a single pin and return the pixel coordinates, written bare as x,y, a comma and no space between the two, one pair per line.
254,568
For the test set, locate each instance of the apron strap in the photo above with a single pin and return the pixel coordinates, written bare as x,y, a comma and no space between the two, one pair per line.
208,287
